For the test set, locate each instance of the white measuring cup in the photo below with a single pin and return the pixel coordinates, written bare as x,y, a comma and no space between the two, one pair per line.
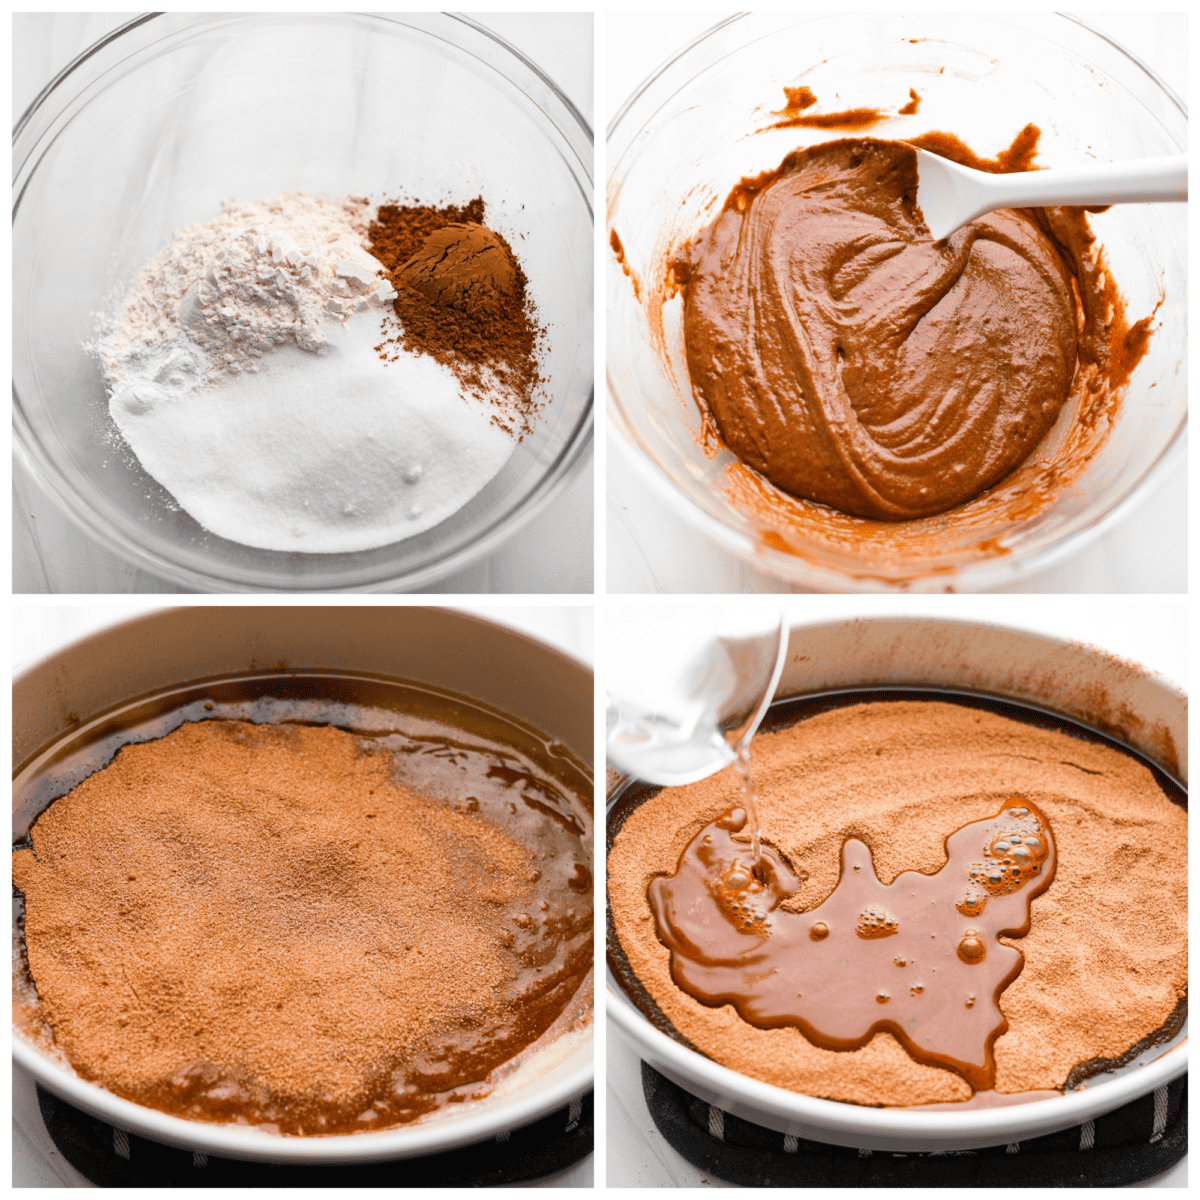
687,686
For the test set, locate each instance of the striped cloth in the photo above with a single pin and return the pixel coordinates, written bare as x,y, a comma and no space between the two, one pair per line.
1128,1145
111,1157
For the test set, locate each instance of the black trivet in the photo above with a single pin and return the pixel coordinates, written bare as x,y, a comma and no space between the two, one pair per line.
110,1157
1142,1139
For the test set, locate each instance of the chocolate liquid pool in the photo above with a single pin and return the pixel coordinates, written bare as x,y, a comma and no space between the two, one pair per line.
904,980
311,903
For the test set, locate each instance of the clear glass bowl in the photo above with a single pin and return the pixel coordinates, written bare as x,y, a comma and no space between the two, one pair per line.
688,135
155,125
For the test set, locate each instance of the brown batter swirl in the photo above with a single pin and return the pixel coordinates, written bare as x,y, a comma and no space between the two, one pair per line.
853,361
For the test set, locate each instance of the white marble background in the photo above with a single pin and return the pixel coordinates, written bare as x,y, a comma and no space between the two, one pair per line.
1152,632
651,548
40,630
553,553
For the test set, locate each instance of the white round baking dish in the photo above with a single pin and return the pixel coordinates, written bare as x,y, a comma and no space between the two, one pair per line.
443,648
1129,702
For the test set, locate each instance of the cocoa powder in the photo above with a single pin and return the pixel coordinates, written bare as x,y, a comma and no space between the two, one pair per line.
480,345
1106,952
267,924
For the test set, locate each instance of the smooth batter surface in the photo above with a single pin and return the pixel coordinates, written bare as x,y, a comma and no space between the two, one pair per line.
1106,952
853,361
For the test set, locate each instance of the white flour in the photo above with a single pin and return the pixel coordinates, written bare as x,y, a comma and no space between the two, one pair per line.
243,374
218,296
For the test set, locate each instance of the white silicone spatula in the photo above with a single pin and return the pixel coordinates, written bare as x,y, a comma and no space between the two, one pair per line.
950,195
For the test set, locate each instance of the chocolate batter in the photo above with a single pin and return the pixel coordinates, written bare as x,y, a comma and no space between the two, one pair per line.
881,786
853,361
306,928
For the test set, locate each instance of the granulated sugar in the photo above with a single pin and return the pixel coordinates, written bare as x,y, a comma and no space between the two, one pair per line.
244,370
322,453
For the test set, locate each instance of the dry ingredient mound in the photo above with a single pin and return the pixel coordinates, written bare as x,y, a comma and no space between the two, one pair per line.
219,296
244,373
1106,953
463,266
483,345
262,923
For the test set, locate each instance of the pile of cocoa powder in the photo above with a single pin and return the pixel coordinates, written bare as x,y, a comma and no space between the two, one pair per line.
263,923
1106,953
502,343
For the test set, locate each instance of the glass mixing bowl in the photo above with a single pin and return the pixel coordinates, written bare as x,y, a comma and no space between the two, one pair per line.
689,134
156,125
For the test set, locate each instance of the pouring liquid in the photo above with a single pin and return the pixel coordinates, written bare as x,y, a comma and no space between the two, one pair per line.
788,712
688,688
746,778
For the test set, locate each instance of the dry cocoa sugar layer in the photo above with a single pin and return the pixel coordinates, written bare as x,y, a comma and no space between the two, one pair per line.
1106,952
262,923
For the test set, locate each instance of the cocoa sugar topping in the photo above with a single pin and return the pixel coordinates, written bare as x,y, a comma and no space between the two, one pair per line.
302,929
875,957
482,327
925,945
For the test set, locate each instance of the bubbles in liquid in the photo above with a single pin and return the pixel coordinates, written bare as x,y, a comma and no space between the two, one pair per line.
741,896
737,878
876,922
882,998
971,949
734,821
1013,854
819,931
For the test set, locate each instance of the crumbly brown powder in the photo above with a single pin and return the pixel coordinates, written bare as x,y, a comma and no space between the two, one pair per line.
261,919
480,345
1106,954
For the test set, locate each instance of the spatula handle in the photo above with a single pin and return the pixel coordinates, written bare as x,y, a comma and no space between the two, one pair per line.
1133,182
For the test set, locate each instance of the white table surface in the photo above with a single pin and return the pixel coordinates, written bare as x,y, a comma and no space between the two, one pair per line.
40,630
1153,632
553,553
652,548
